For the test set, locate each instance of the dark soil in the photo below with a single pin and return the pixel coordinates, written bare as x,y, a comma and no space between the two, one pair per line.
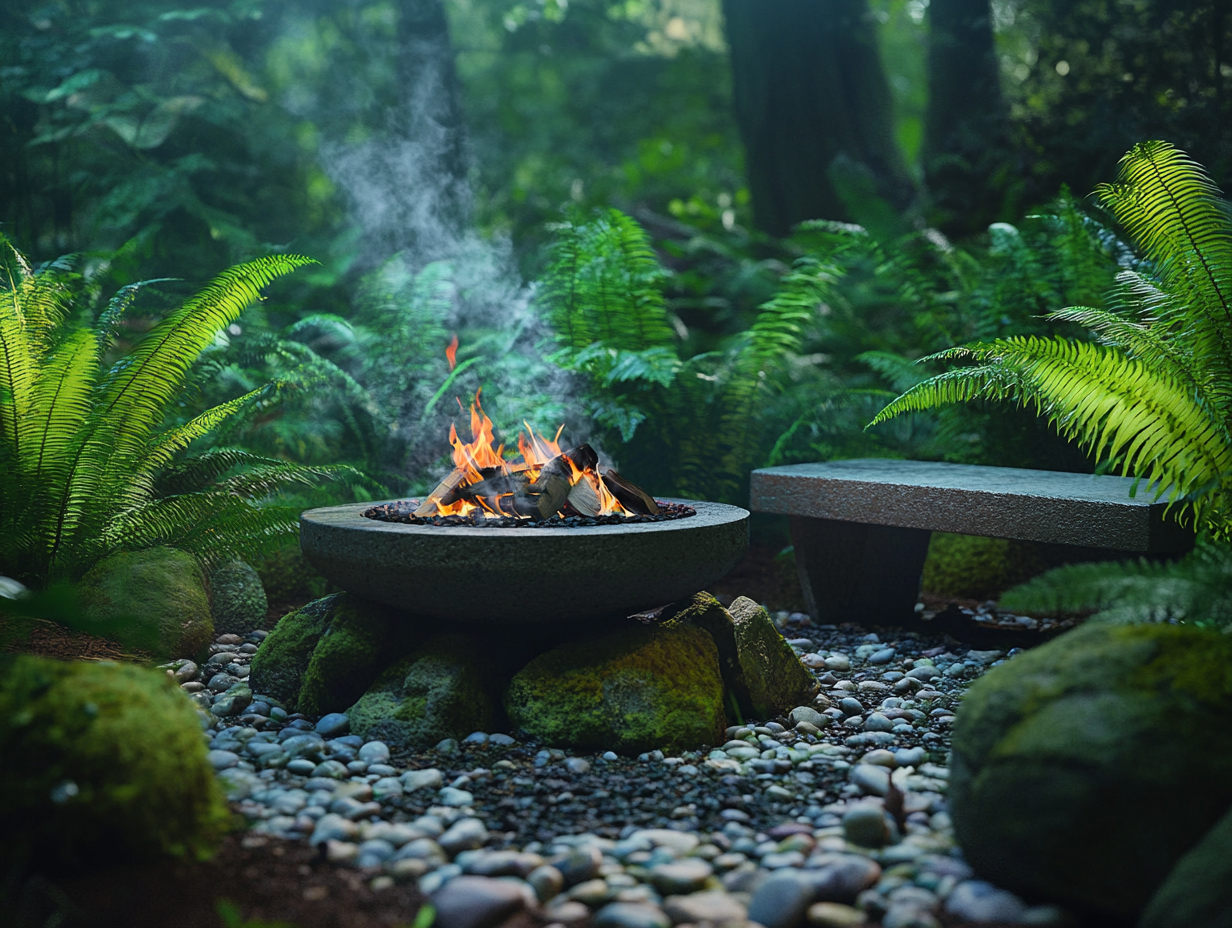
50,639
261,881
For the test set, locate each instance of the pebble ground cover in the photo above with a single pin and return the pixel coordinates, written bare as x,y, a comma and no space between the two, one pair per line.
834,815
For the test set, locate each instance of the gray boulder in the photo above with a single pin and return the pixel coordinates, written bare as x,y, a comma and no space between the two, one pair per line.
322,658
447,688
630,690
1198,891
159,589
1086,768
237,598
775,679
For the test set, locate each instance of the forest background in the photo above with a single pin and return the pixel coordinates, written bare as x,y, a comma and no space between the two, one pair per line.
814,194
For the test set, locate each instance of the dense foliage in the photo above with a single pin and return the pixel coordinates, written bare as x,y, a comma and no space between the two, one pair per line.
1150,398
91,463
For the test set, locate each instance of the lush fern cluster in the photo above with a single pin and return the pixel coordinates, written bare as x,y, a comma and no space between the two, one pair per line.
687,425
90,463
1152,397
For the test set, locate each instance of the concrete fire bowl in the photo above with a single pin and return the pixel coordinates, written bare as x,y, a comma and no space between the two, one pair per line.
502,576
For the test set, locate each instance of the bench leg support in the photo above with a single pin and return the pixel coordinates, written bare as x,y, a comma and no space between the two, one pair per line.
852,572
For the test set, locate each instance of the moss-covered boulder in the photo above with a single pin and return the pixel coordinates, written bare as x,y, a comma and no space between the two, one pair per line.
630,690
101,762
776,680
322,658
160,589
705,612
1085,768
447,688
1198,891
237,598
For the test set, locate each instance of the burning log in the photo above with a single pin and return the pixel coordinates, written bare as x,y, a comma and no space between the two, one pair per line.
629,494
585,498
443,489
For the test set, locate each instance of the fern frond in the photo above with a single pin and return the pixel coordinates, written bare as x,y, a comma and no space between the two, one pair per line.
603,285
1196,588
1173,211
177,439
138,387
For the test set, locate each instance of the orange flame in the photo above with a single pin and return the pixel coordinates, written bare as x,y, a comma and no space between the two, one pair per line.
482,453
452,353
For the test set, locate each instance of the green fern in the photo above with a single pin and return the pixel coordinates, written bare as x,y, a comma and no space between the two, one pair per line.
89,465
1197,588
1156,397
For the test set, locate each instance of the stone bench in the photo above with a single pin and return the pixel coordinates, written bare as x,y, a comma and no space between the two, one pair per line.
861,528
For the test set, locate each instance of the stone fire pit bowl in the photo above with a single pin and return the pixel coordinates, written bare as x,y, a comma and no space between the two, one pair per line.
503,576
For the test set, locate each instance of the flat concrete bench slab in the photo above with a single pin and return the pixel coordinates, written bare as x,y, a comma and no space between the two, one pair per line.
861,528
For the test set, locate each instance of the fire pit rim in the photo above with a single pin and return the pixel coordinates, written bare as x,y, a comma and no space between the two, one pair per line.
353,514
596,571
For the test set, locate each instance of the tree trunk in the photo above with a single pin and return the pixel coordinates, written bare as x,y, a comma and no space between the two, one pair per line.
967,158
814,109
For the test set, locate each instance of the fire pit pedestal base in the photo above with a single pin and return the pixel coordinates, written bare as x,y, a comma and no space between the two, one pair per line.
490,576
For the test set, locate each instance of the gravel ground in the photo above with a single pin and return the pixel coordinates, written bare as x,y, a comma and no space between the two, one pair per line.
832,816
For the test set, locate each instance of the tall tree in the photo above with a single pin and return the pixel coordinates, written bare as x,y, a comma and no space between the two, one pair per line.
966,154
814,109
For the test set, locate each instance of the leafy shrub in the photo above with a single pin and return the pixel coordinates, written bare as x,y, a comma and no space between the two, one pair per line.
89,467
1152,398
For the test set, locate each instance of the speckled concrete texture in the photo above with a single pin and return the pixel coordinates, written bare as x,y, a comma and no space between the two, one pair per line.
493,576
999,502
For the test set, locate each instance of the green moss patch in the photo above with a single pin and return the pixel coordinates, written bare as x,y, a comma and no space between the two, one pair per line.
445,689
160,588
632,690
1107,738
101,761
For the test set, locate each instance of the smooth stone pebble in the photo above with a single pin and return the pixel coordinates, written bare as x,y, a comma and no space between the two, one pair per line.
835,915
781,900
430,778
808,715
333,827
567,911
476,737
684,876
374,752
580,865
866,826
593,892
850,705
631,915
871,779
577,765
455,798
475,902
501,739
884,656
546,881
843,879
333,725
464,835
878,722
978,901
680,842
910,757
840,663
188,671
710,906
880,758
221,760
